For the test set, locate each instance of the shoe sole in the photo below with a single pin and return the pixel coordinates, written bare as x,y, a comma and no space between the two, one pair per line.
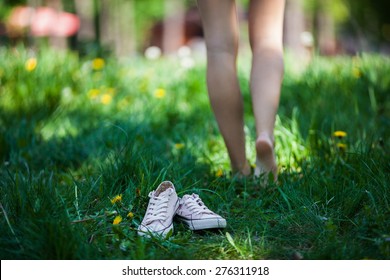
203,224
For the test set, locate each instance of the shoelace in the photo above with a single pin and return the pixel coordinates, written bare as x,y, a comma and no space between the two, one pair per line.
196,205
157,209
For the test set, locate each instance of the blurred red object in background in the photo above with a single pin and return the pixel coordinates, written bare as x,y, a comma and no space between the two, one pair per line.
19,21
42,22
66,25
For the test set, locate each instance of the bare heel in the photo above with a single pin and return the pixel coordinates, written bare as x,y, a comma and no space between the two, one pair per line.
265,160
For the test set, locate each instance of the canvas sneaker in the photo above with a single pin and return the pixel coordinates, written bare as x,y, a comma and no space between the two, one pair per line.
158,219
195,214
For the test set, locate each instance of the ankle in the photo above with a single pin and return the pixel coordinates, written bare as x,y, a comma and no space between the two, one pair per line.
243,170
266,136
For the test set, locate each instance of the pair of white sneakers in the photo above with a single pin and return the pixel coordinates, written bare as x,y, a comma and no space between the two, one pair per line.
164,205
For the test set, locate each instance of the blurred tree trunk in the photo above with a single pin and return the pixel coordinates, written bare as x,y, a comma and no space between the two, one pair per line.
70,6
105,23
325,25
294,26
55,41
86,12
32,3
117,26
125,43
173,26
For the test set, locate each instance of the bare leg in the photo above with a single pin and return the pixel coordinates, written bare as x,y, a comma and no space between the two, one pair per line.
220,25
266,32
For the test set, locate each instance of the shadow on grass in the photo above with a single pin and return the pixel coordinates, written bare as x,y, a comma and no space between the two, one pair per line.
56,186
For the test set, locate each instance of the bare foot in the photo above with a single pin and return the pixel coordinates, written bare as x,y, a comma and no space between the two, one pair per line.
244,171
265,160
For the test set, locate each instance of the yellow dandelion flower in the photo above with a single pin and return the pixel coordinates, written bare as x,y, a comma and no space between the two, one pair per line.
117,220
106,99
339,134
179,146
116,199
98,64
342,146
130,215
93,93
31,64
159,93
219,173
356,72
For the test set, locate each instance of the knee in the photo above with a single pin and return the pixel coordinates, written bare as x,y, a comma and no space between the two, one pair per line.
271,54
225,47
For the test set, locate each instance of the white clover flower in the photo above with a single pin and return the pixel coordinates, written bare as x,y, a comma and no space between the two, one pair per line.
152,53
184,51
307,39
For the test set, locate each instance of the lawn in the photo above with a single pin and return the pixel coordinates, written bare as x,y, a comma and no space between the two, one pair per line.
84,140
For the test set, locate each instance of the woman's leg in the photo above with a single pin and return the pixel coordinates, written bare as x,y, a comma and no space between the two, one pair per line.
266,35
220,26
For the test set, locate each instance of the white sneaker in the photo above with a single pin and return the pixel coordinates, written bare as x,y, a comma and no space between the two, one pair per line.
196,215
162,206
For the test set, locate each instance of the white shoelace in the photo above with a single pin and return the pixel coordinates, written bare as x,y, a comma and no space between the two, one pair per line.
196,205
157,209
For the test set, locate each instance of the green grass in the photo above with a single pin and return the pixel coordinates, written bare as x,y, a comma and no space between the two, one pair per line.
72,138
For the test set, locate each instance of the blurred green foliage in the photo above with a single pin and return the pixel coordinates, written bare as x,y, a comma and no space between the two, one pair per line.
337,8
